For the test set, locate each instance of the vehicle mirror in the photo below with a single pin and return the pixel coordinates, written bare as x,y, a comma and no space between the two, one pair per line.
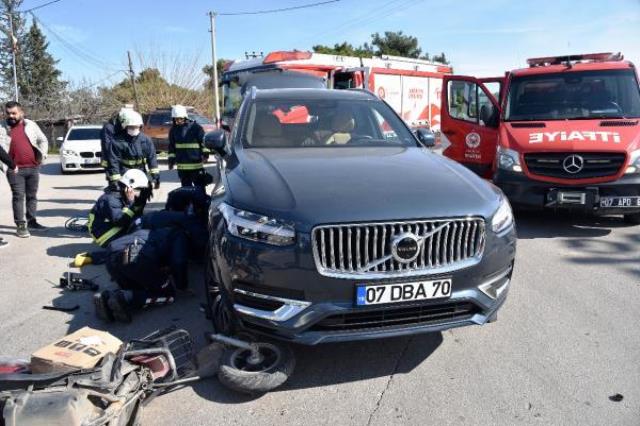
426,137
59,139
225,126
489,115
216,141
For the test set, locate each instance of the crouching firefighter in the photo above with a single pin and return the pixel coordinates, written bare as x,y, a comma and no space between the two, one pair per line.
186,148
148,266
116,212
132,149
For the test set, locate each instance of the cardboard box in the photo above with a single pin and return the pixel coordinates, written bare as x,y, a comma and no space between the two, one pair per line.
81,349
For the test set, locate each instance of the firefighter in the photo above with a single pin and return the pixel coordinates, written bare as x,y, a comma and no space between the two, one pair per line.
109,131
148,266
132,149
186,148
115,212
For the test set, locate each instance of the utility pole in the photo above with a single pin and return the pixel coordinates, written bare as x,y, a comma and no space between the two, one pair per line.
132,75
14,45
214,77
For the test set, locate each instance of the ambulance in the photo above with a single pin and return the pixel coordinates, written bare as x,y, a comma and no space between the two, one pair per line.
412,87
562,133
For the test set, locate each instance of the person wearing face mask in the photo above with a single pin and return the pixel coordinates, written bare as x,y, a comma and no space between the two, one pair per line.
27,147
116,213
186,148
132,149
110,129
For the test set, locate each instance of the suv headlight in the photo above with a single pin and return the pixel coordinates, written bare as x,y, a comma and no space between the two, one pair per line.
69,153
256,227
508,159
503,217
634,163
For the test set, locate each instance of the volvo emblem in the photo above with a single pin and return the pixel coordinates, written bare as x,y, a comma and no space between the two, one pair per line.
405,247
573,164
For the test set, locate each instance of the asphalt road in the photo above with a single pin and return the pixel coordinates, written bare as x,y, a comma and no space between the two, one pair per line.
566,341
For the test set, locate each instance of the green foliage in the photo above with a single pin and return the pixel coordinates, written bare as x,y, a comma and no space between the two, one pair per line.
208,70
394,43
39,83
345,49
6,45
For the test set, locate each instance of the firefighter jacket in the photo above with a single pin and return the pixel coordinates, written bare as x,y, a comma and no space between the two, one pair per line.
111,216
186,146
131,152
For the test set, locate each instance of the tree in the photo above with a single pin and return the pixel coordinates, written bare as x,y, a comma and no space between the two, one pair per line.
345,49
208,70
7,44
39,81
396,44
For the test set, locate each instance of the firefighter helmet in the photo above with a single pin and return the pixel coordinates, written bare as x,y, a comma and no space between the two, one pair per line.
179,111
134,179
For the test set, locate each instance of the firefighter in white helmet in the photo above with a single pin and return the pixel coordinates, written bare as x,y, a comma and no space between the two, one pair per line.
132,149
116,212
186,148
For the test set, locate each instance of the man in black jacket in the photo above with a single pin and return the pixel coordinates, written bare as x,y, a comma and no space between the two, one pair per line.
7,161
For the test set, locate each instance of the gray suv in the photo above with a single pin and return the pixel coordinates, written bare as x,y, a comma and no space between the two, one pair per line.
332,221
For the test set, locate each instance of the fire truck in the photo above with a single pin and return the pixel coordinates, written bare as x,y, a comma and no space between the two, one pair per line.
411,86
562,133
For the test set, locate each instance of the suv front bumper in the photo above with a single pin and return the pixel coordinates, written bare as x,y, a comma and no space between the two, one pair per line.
526,193
278,292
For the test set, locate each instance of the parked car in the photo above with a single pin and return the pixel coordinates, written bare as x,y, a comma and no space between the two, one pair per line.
345,226
80,149
158,123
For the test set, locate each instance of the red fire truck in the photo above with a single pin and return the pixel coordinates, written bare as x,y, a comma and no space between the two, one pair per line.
562,133
411,86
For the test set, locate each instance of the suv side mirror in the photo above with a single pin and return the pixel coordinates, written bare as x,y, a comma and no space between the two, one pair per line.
426,137
489,115
225,126
59,139
216,141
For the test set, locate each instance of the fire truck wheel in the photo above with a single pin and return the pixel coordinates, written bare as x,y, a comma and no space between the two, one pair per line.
633,219
274,366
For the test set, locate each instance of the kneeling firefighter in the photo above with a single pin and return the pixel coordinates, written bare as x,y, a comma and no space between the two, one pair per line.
115,212
148,266
186,148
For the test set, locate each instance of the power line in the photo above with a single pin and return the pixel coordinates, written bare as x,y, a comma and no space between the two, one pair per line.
84,56
38,7
284,9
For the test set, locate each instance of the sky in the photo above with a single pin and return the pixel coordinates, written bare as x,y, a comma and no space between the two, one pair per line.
482,38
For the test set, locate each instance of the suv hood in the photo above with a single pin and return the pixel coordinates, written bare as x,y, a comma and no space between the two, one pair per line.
312,186
573,135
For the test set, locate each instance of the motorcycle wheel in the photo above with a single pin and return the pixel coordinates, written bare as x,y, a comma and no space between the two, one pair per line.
238,372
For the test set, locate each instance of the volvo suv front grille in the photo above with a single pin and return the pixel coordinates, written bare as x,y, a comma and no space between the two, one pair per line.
379,250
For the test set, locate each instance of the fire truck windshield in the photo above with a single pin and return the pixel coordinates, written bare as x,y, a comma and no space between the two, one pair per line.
574,95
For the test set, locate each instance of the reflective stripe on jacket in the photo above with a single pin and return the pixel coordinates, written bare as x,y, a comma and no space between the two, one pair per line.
186,146
111,217
126,152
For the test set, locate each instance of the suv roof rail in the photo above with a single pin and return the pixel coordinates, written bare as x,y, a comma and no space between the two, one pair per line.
359,89
568,59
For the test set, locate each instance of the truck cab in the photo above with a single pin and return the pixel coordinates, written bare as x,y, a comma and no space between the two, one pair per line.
561,134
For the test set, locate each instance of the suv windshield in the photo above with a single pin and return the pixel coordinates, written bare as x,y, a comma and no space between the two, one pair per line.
323,123
574,96
83,134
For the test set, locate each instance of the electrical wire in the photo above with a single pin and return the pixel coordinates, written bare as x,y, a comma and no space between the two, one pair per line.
38,7
84,56
284,9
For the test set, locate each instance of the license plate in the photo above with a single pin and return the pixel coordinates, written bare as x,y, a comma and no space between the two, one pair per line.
618,202
91,160
403,292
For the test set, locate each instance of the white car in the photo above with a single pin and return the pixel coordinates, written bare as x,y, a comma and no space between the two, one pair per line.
80,149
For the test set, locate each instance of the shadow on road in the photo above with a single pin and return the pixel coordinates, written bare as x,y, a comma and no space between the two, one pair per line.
331,364
532,225
50,232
